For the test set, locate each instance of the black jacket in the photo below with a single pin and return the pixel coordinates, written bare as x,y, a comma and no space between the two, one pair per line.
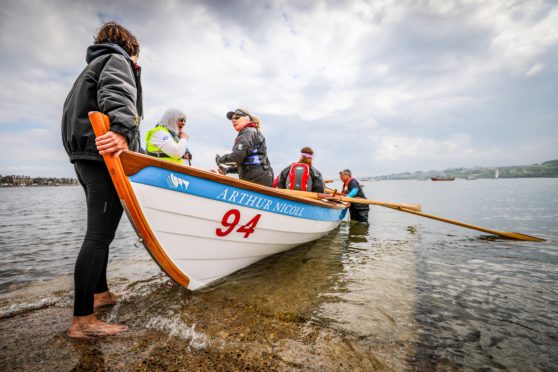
110,84
249,157
315,176
249,148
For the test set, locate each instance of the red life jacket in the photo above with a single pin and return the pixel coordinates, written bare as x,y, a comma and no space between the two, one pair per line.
346,186
299,177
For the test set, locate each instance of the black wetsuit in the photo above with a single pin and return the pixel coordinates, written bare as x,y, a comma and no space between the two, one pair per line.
359,212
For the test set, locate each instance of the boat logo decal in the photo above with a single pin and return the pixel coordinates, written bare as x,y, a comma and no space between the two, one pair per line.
177,183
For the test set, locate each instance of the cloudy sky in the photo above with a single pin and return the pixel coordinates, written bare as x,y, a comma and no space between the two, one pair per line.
376,86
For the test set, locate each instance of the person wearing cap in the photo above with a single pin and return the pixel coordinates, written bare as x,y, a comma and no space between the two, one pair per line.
352,189
249,154
302,175
167,140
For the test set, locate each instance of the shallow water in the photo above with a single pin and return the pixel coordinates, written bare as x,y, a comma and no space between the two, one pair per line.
404,292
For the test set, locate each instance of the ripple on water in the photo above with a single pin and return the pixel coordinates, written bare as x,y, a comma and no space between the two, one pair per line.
402,293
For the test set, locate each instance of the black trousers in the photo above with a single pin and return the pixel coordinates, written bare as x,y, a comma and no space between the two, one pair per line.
103,216
359,214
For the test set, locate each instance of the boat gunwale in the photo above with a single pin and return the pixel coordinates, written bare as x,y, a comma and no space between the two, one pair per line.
133,162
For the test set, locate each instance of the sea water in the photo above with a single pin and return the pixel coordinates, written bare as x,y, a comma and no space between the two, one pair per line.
403,292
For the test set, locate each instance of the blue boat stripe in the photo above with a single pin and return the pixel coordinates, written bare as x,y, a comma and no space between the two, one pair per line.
166,179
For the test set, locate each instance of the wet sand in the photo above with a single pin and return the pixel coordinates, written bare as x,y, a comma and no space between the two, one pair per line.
226,336
274,315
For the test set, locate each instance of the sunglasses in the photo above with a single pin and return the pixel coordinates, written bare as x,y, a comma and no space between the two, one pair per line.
182,120
236,117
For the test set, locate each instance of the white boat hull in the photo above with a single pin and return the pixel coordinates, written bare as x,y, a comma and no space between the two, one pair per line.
192,220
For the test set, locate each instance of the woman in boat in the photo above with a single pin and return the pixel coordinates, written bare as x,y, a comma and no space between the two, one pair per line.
352,189
168,140
110,83
249,154
302,175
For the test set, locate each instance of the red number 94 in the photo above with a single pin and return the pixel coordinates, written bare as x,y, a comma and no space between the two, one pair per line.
231,219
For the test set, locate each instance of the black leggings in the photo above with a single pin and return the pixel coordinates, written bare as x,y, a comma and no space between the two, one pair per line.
103,215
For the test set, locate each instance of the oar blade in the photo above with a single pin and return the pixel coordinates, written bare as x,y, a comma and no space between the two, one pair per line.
519,236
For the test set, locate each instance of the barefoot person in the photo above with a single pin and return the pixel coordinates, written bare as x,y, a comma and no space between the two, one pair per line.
110,84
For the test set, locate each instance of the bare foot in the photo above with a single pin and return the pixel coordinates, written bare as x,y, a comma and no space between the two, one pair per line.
87,327
104,299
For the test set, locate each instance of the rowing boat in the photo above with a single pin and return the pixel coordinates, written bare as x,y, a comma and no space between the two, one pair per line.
201,226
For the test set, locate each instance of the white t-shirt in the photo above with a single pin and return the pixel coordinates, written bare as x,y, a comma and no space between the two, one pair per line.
166,143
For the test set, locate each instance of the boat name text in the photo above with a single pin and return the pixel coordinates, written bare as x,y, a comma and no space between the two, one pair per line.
254,201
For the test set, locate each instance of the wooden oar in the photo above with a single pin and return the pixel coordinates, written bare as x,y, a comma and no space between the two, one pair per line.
511,235
417,211
315,195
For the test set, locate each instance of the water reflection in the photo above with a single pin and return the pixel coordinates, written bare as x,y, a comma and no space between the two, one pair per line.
358,232
289,284
372,305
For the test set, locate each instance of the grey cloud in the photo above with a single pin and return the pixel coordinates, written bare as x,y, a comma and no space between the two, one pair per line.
351,79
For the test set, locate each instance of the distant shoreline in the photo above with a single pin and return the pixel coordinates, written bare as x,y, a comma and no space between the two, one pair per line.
378,179
14,180
547,169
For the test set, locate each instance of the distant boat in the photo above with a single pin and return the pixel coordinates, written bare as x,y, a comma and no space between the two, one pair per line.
497,174
451,178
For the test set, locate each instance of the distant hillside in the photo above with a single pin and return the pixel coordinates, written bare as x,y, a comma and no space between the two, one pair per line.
546,169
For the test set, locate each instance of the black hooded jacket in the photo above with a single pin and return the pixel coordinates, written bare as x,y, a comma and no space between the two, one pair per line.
110,84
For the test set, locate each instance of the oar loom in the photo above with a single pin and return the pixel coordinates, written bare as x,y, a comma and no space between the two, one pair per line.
413,209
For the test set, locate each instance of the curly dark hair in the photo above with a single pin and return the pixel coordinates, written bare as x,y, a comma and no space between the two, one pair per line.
112,32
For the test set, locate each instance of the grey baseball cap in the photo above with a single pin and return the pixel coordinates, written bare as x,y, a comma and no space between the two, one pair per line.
239,112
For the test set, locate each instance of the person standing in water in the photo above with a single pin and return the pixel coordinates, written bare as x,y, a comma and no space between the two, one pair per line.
110,83
352,189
